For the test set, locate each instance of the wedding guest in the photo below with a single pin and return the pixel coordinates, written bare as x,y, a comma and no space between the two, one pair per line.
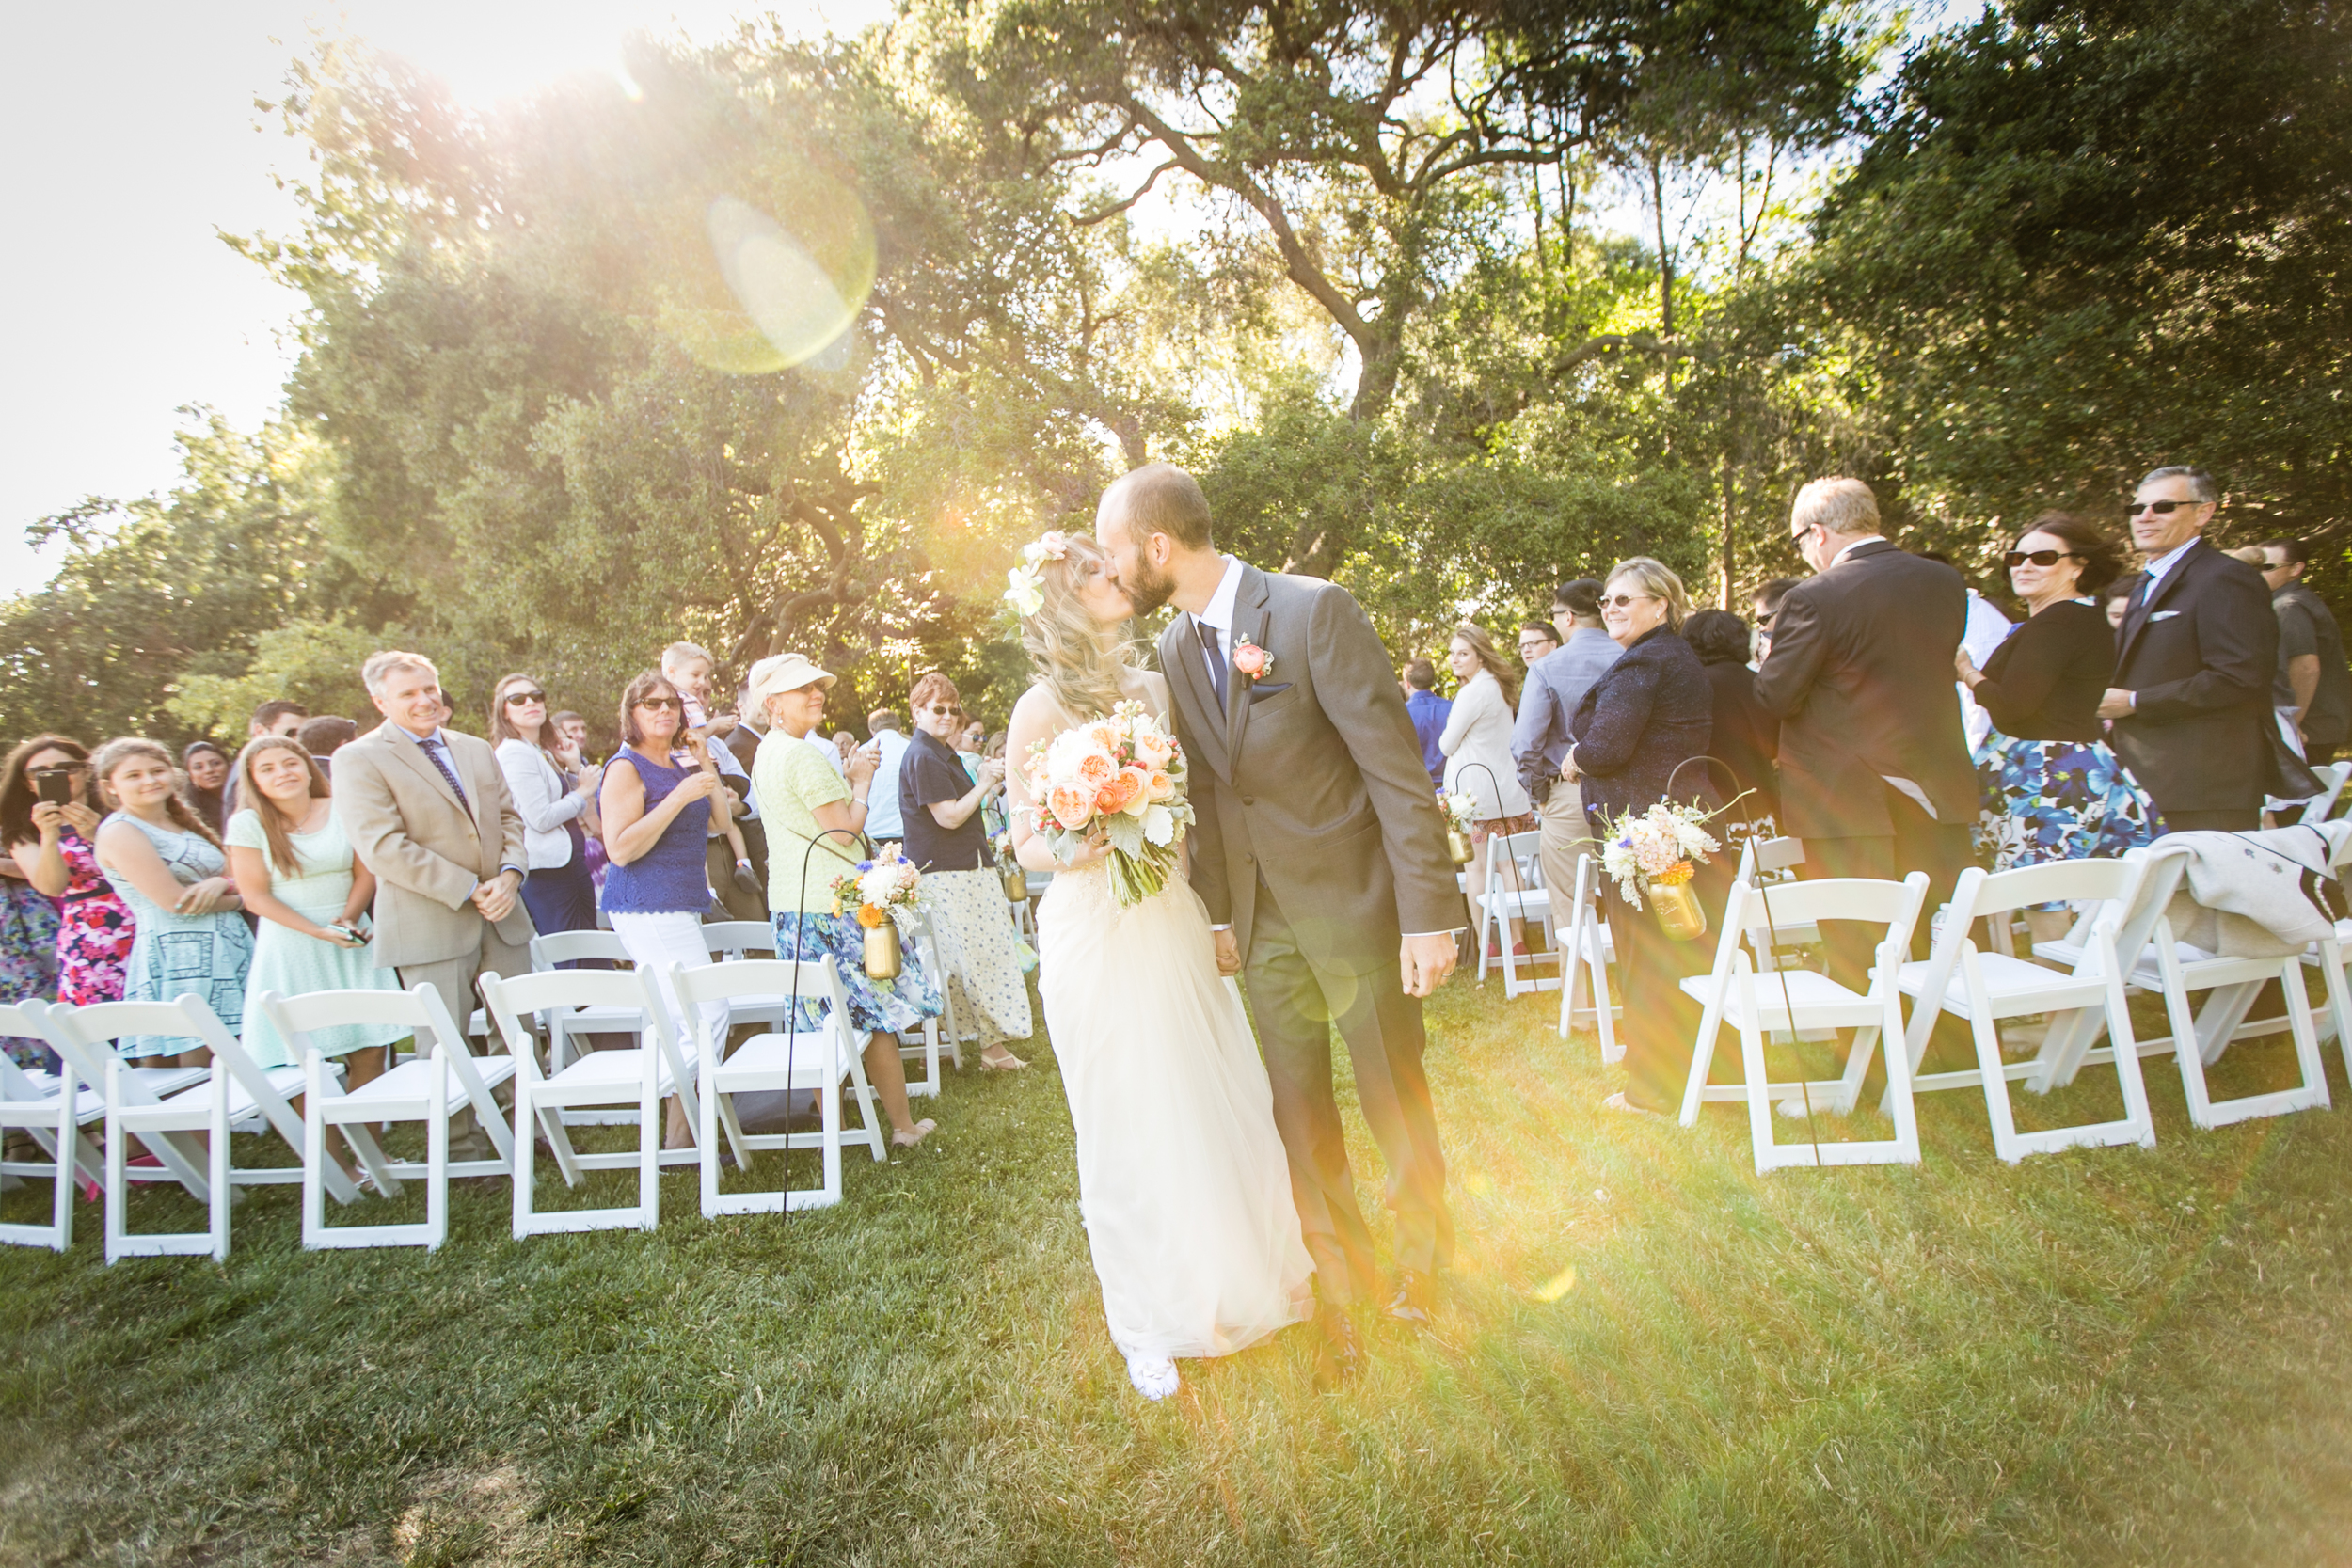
815,822
28,955
1540,737
554,794
1539,640
323,736
2117,600
165,864
2194,662
1763,605
885,823
660,800
1874,770
428,810
745,739
947,838
1746,739
280,716
207,768
572,727
1649,714
294,868
1477,748
54,845
2053,791
844,742
2313,690
1429,713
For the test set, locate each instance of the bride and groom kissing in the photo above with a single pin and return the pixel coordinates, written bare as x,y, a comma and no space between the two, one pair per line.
1214,1177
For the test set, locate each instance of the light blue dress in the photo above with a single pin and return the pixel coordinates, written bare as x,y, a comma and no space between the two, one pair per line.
293,964
174,954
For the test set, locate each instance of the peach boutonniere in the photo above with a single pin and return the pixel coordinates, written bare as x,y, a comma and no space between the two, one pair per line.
1251,660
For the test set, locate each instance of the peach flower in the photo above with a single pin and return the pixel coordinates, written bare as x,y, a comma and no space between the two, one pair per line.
1120,791
1096,768
1072,805
1163,786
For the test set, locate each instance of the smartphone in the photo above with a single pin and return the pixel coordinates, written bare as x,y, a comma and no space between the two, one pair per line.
54,785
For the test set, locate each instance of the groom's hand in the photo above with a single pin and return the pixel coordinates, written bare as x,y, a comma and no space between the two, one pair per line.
1228,951
1426,961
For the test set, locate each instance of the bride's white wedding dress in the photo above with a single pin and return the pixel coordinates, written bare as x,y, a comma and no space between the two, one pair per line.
1182,1180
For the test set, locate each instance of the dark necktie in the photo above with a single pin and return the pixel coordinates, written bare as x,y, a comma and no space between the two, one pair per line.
434,749
1216,660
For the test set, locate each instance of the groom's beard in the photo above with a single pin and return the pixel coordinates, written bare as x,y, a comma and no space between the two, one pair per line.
1147,589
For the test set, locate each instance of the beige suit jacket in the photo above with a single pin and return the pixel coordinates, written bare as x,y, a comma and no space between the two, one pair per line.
428,852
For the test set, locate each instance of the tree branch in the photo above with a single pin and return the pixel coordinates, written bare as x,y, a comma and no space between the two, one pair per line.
1085,220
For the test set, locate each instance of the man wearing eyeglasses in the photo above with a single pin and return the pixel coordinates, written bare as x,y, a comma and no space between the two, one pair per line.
2193,664
2313,692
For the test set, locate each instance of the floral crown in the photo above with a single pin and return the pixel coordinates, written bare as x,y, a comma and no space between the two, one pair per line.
1025,587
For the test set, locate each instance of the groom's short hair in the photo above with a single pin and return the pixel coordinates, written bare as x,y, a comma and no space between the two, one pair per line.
1163,499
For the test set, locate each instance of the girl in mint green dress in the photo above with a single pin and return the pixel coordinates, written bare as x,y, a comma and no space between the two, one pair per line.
311,894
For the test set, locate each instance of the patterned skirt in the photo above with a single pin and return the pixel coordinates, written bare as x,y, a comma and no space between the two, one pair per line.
2056,800
28,960
884,1006
980,953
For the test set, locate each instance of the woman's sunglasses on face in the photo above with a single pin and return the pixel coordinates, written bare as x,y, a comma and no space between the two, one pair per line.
658,703
2015,558
1623,601
518,696
936,711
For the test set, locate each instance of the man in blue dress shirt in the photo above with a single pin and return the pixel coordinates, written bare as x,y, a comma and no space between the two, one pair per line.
1555,684
1430,712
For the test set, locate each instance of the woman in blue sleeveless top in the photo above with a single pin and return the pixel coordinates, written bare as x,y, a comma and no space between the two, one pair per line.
660,800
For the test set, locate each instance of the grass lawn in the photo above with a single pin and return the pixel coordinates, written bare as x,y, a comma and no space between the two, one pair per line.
1647,1355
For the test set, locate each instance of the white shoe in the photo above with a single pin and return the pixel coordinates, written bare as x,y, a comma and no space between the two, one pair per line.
1154,1376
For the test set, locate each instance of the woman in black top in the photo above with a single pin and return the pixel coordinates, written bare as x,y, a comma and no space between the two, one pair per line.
1747,736
2053,790
1635,728
946,836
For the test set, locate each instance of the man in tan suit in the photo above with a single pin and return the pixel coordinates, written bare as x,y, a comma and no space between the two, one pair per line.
427,810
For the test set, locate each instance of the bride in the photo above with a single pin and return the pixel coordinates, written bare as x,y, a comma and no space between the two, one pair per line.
1182,1180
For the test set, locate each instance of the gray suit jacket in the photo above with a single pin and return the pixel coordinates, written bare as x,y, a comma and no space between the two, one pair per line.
426,851
1311,779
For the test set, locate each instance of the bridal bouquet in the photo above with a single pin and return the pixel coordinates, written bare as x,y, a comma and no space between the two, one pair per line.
876,888
1121,777
1653,849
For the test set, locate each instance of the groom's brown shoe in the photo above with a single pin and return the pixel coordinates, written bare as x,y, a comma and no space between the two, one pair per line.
1416,1299
1339,1354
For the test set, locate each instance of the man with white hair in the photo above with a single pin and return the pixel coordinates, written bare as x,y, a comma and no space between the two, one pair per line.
428,810
1875,776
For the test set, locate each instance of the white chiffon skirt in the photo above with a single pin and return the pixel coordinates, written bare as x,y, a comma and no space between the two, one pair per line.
1182,1181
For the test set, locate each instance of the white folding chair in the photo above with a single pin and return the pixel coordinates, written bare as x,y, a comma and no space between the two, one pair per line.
2316,810
924,1042
1984,988
431,1085
2174,970
234,1095
562,1025
1515,891
642,1077
1588,949
52,1108
794,1059
1795,1000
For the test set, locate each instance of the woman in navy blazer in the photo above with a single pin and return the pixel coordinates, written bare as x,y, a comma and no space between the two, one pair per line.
1649,714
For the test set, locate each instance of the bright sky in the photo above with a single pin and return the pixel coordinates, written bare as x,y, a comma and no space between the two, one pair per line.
132,137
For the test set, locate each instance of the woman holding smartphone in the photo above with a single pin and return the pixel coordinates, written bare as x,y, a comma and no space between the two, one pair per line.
50,829
298,873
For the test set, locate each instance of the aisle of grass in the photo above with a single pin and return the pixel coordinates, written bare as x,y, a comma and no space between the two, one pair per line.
1649,1354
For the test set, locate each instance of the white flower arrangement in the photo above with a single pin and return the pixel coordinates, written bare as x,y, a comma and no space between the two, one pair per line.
1657,847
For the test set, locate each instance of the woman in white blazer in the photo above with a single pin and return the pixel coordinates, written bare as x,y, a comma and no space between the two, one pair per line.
1477,747
554,793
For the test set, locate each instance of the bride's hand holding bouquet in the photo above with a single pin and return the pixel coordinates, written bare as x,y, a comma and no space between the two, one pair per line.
1112,790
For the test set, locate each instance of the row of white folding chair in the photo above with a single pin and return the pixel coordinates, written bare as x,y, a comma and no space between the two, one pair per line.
1795,1001
52,1110
1515,890
1587,953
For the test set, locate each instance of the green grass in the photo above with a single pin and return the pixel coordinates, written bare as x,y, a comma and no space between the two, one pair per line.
2106,1356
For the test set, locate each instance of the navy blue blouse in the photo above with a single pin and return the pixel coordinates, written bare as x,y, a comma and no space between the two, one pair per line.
1646,715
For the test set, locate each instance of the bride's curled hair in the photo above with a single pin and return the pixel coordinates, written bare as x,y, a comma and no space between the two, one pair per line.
1078,659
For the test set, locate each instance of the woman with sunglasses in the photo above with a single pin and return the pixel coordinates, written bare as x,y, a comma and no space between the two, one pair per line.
948,835
555,796
53,844
2053,789
1637,730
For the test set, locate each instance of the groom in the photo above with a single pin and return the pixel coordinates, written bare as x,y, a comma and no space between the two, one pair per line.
1320,853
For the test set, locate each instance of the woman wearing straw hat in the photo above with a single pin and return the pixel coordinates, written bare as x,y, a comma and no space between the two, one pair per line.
816,825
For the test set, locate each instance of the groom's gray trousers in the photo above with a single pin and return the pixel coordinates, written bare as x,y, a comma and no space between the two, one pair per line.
1295,1002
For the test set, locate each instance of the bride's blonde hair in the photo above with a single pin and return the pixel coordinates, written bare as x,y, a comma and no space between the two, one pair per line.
1079,660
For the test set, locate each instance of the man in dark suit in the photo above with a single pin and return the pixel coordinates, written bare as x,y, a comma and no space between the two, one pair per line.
2193,664
1320,854
1874,770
